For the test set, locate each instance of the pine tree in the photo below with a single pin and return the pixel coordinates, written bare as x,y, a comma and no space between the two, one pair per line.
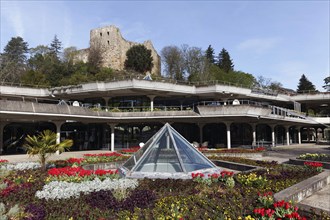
305,84
224,62
55,46
209,54
327,84
13,60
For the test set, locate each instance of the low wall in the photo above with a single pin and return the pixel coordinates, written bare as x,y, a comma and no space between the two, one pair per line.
104,166
234,166
304,189
244,155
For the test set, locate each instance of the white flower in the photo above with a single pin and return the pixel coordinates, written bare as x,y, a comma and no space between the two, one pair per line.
65,190
20,166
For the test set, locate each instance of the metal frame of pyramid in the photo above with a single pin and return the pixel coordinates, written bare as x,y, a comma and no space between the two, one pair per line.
167,154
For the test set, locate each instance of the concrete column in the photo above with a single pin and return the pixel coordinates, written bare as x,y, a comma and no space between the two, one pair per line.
254,135
228,135
112,145
58,125
201,126
273,135
151,97
287,135
299,135
2,126
106,99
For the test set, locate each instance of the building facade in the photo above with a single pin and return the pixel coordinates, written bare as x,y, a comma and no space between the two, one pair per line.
113,48
122,114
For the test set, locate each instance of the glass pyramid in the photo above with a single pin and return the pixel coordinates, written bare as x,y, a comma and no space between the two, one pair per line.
167,152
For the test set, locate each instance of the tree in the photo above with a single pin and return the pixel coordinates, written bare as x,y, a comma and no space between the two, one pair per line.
327,84
55,46
34,78
224,61
209,54
139,59
13,60
305,84
173,62
95,59
194,63
44,145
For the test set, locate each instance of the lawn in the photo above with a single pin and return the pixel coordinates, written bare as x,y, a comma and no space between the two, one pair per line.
67,191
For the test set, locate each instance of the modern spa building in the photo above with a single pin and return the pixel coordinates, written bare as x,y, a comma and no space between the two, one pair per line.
122,113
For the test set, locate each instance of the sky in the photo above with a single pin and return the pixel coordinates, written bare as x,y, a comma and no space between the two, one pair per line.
280,40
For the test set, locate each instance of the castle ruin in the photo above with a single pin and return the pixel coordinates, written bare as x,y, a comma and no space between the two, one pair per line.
114,47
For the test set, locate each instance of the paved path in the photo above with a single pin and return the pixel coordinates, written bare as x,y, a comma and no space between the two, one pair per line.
320,199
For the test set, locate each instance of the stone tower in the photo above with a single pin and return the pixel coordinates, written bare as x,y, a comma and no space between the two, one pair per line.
114,48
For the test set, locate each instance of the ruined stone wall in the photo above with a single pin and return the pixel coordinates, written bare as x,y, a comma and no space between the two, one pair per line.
114,48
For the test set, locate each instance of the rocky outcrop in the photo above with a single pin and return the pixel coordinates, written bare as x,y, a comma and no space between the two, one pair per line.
114,47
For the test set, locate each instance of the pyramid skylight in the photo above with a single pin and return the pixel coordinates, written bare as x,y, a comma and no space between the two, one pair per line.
166,155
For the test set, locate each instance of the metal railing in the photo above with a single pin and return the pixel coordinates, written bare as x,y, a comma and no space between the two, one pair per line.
275,110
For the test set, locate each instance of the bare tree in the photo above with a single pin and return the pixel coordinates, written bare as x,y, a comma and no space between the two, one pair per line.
95,58
173,61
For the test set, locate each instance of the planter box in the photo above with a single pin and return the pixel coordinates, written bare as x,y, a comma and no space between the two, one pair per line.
234,166
304,189
326,165
244,155
104,166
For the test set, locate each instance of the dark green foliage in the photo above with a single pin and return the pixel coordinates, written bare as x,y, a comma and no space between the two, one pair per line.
139,59
55,47
305,85
209,54
13,60
34,78
15,51
327,84
224,61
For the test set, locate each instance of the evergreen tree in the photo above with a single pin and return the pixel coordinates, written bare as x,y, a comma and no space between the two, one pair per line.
209,54
139,59
305,84
13,60
224,61
327,84
55,46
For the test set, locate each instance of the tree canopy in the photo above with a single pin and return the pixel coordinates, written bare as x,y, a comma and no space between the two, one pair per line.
139,59
13,60
209,54
224,61
305,84
327,84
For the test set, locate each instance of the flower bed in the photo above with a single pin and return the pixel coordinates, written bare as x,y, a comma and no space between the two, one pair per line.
315,157
78,174
217,196
131,150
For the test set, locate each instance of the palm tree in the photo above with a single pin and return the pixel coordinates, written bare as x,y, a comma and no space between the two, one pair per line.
44,145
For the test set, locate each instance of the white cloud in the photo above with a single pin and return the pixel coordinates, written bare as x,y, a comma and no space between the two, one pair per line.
12,14
258,45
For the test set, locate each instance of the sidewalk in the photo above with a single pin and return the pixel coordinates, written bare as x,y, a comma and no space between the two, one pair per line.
63,156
